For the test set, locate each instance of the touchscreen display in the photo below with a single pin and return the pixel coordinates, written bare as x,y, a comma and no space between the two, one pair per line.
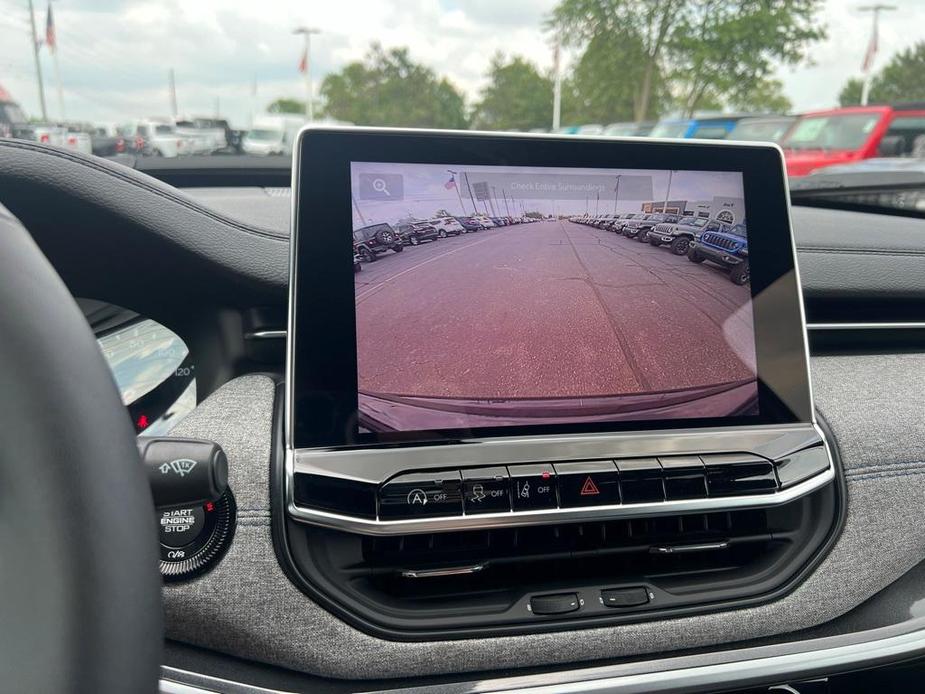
504,296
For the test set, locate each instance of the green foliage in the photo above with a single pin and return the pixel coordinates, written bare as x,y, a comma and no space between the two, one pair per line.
517,97
287,106
710,52
603,86
388,88
850,94
724,48
902,79
765,96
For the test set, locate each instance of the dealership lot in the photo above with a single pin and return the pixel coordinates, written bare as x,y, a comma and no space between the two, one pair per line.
550,309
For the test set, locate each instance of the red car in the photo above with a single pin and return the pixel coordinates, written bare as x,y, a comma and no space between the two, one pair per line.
843,135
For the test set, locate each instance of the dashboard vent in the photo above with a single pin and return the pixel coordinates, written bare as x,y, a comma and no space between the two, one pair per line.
462,582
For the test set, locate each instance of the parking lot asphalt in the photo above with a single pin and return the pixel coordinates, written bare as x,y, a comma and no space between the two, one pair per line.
549,309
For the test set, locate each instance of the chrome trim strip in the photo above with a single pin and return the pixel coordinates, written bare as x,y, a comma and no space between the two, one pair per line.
511,519
912,325
436,573
761,666
682,549
266,335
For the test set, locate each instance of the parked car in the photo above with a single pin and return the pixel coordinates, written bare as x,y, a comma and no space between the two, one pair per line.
727,247
630,226
716,127
678,235
272,135
13,122
762,129
160,138
485,221
415,232
447,226
648,223
357,263
370,241
469,224
629,129
844,135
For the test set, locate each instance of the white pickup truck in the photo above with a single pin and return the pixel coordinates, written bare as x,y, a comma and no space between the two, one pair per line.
161,137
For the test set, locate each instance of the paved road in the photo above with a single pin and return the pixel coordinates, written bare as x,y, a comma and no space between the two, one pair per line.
550,309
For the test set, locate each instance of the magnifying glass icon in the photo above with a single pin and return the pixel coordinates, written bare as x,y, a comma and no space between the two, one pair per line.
380,187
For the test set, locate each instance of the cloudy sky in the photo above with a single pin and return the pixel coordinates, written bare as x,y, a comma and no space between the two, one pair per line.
115,54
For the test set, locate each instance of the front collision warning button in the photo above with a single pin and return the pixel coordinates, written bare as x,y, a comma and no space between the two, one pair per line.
559,603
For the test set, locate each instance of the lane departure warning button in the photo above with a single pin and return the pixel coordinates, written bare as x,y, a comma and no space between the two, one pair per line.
588,483
486,490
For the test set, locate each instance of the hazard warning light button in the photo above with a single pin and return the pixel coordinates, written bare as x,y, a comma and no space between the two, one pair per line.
588,483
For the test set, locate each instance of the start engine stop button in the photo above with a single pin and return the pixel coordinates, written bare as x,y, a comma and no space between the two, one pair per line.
179,527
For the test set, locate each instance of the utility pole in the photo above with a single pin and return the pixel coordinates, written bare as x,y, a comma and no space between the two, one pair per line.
253,100
357,208
475,210
307,63
557,82
454,174
493,198
506,207
616,194
872,46
38,65
172,89
667,191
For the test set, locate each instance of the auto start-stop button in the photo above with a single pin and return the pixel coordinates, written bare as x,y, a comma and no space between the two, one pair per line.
180,527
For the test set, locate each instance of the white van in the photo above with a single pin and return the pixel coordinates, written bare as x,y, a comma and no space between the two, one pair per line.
272,135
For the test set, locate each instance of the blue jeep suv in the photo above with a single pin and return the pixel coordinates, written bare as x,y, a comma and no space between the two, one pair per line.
726,246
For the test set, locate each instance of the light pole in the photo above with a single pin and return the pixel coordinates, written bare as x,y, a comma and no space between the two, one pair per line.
306,67
872,47
557,82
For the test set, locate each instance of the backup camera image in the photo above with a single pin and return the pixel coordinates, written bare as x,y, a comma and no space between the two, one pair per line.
491,296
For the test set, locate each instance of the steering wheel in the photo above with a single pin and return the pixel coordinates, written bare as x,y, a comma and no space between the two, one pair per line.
80,605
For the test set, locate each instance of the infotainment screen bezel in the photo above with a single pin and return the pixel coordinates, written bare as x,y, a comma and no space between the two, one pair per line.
321,359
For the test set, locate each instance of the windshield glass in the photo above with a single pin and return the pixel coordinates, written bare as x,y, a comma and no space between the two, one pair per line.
241,79
848,131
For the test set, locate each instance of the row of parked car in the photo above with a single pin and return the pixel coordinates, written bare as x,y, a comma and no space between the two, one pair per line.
699,238
374,239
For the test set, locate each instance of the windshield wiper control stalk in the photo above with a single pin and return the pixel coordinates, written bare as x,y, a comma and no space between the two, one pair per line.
183,472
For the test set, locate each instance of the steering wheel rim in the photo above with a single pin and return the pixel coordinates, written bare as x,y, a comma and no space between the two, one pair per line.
80,604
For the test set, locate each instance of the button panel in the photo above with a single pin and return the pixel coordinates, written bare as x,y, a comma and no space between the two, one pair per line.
486,490
590,483
533,487
421,495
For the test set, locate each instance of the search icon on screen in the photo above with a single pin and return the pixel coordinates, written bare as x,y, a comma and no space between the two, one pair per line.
381,186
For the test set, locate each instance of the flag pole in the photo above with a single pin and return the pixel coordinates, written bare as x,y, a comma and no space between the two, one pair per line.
872,47
458,194
60,90
38,64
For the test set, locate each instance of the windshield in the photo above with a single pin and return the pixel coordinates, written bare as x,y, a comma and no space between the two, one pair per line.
848,131
241,79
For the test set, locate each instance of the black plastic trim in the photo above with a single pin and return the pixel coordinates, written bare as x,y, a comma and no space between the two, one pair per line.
280,532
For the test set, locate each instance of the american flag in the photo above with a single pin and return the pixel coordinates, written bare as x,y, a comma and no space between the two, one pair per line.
303,63
51,39
449,185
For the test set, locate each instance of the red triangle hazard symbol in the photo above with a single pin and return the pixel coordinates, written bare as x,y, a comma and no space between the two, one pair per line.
589,488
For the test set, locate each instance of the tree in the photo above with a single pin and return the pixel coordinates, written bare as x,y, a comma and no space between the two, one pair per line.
850,94
614,24
765,95
603,85
517,97
902,79
287,106
388,88
708,51
724,48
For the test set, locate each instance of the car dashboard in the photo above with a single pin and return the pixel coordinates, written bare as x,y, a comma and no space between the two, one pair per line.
186,289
